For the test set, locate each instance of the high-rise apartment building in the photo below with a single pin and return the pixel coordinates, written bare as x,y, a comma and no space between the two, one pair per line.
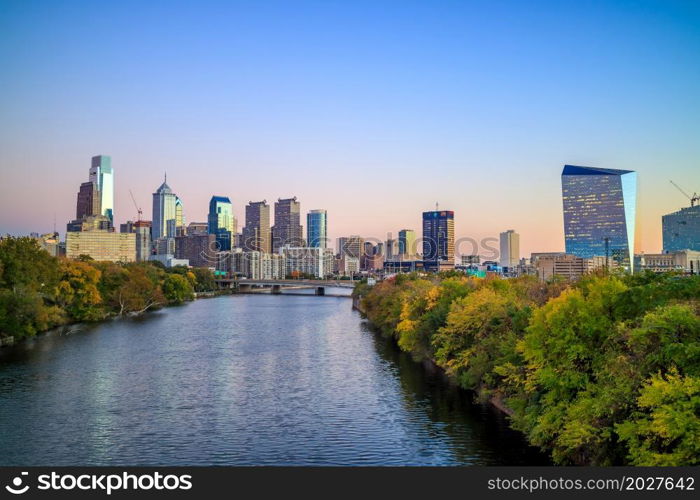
287,230
599,213
509,249
164,212
681,230
221,221
102,175
438,239
256,233
317,228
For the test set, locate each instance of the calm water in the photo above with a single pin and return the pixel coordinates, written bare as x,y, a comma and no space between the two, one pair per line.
262,380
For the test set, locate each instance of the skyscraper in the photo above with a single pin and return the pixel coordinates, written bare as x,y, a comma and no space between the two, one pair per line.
599,212
164,213
351,246
256,233
510,249
681,230
317,228
438,239
391,249
407,244
179,217
221,221
102,176
88,200
287,229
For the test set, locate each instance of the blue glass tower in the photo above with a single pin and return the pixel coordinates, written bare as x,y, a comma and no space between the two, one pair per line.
681,230
599,212
317,228
221,221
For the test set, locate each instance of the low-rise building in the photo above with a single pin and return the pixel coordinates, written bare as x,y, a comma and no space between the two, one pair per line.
317,262
101,245
681,260
567,266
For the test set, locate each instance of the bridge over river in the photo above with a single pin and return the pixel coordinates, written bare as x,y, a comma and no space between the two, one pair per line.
338,288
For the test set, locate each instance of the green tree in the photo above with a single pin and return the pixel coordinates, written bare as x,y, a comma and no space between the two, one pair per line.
177,288
666,429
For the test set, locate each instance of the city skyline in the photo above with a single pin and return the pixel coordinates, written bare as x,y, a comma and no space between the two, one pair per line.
489,101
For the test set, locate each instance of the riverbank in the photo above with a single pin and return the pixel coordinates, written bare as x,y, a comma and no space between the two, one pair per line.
585,371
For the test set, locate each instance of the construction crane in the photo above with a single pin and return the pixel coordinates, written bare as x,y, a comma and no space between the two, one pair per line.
692,199
140,212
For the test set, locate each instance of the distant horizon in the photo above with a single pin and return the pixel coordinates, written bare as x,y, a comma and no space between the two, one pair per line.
370,110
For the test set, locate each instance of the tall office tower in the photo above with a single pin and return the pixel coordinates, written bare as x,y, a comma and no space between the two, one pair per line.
102,175
179,217
287,230
256,233
438,238
681,230
599,213
88,200
407,243
317,228
510,249
392,249
221,221
164,213
351,246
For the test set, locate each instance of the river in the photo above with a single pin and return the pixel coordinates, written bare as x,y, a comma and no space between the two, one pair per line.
239,380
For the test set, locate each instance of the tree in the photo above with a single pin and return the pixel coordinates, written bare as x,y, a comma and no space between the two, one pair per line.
177,288
666,429
78,291
138,292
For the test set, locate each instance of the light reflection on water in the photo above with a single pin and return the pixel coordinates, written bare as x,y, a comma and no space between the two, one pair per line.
239,380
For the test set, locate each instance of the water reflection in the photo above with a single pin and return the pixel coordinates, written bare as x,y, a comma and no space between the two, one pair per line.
248,379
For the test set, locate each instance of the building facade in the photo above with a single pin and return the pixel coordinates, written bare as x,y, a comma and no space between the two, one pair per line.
101,245
88,200
438,239
681,230
221,221
407,244
256,233
510,249
317,228
681,260
306,261
198,249
570,267
164,213
102,176
287,230
599,213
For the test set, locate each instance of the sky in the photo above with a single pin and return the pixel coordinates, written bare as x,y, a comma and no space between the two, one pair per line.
373,110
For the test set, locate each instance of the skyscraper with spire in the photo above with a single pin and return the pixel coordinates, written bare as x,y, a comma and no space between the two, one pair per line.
164,212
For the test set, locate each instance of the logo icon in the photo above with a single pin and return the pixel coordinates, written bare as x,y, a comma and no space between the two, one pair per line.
16,488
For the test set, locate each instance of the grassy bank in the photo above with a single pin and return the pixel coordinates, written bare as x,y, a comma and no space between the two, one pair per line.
602,372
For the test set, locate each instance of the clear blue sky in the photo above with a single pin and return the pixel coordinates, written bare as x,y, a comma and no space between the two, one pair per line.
372,110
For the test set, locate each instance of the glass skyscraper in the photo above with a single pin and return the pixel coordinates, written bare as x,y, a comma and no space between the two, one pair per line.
438,238
164,213
681,230
317,228
102,176
221,221
599,212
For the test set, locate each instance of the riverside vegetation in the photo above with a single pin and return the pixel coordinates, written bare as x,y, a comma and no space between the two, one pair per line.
39,292
605,371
